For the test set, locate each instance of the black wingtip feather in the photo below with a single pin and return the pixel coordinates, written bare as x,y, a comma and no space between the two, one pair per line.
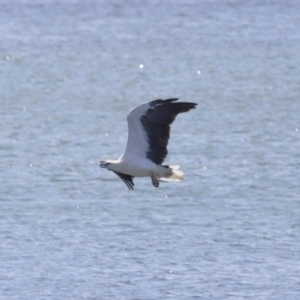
159,101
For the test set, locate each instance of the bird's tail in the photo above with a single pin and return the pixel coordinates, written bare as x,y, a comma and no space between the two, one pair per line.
175,174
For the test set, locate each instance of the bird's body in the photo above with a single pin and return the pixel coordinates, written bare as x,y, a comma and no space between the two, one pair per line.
148,136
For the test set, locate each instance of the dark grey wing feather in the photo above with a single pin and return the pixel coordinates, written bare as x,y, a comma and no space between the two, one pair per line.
128,179
157,121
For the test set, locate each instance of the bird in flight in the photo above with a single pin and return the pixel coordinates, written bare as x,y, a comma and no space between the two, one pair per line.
148,136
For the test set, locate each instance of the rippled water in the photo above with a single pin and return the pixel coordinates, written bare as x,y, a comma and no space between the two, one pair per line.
71,71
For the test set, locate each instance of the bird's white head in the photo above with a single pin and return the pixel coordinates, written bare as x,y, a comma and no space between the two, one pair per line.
109,164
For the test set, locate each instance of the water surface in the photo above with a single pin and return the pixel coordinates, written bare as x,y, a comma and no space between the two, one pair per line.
70,73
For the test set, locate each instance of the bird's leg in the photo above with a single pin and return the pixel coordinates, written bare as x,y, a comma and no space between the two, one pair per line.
155,181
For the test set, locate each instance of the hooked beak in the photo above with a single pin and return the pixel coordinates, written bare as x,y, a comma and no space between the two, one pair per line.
103,164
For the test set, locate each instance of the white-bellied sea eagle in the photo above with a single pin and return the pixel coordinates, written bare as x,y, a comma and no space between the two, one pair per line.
148,136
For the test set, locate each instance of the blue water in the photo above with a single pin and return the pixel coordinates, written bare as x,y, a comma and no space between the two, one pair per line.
71,71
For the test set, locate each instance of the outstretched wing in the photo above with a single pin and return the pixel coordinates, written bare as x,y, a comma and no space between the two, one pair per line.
149,128
128,179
